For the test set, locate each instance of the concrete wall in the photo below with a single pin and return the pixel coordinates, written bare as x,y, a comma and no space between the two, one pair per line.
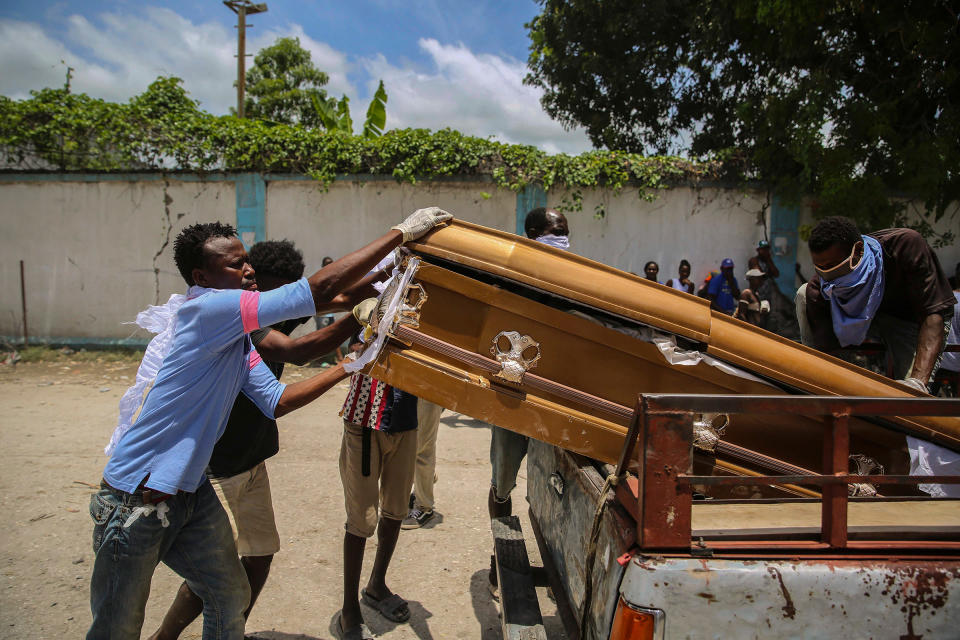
90,250
353,213
703,226
97,249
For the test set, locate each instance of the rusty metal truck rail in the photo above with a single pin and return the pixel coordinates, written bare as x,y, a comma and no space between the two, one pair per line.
661,433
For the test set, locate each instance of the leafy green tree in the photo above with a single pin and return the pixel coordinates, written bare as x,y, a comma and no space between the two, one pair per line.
376,114
165,98
848,102
336,116
283,84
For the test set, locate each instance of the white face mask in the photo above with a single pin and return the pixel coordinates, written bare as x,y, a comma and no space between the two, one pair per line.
560,242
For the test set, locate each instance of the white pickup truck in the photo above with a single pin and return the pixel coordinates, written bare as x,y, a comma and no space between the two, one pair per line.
657,562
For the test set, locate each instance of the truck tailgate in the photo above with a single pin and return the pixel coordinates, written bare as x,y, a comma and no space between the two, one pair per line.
728,598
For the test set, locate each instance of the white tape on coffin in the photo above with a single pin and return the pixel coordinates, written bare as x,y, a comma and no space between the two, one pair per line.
385,326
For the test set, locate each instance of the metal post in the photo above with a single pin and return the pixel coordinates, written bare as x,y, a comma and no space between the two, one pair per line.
242,8
23,303
836,461
665,505
241,57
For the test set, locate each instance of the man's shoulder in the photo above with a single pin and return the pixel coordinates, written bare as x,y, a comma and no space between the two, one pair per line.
213,300
898,236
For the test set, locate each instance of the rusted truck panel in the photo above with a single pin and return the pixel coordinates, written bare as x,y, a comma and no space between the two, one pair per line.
799,568
731,598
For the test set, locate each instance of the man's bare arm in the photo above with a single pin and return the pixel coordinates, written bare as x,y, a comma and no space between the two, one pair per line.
340,275
352,296
301,393
734,289
929,345
772,270
278,347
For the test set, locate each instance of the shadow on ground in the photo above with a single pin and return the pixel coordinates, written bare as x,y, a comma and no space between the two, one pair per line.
485,608
434,521
457,421
280,635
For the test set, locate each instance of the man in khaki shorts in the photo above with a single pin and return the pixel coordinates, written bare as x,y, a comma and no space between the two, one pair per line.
377,457
237,468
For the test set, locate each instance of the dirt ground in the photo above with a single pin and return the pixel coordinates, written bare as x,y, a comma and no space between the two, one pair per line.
56,417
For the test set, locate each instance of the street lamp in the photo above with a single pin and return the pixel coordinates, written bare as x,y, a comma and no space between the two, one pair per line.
243,8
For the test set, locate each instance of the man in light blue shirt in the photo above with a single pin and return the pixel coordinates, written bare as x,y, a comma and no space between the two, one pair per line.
155,503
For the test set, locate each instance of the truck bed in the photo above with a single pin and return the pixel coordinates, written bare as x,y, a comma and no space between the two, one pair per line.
736,595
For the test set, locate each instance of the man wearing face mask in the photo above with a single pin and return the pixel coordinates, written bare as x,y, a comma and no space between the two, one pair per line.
548,226
887,285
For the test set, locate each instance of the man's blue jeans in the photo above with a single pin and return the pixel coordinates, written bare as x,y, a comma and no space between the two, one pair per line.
197,543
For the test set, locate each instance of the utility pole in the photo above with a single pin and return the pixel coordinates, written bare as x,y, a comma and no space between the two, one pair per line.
243,8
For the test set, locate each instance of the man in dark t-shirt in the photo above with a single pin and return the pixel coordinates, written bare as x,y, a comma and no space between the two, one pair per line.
887,284
237,468
250,437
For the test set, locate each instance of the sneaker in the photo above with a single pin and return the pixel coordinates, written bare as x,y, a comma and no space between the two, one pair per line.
416,519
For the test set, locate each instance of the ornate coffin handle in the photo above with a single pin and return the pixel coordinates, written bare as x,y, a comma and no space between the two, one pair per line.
409,314
513,363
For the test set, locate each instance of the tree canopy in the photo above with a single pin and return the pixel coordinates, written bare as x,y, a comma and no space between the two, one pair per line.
283,83
848,102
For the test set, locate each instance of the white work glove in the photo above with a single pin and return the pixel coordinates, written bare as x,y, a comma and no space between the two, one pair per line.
421,221
914,383
764,306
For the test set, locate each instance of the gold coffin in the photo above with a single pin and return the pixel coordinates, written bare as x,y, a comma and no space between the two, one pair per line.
579,394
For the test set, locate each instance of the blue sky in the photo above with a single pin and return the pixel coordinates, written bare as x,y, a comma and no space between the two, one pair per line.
445,64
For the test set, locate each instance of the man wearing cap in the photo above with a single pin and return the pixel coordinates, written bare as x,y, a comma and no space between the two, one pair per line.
781,318
887,284
752,307
763,261
723,291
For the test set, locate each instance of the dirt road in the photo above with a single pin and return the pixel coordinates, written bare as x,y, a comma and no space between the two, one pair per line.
55,419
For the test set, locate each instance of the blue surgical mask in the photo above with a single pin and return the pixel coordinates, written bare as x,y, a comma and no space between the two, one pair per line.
560,242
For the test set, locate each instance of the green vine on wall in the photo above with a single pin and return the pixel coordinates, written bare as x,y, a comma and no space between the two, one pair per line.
163,129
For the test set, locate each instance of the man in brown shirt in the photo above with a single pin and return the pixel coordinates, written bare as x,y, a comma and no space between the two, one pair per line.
887,284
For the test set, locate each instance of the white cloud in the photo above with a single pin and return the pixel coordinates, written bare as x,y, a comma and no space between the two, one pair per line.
116,55
481,95
29,59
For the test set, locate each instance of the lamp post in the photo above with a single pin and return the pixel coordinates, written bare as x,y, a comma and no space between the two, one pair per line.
243,8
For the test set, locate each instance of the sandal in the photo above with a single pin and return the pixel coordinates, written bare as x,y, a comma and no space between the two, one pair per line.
359,632
393,607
